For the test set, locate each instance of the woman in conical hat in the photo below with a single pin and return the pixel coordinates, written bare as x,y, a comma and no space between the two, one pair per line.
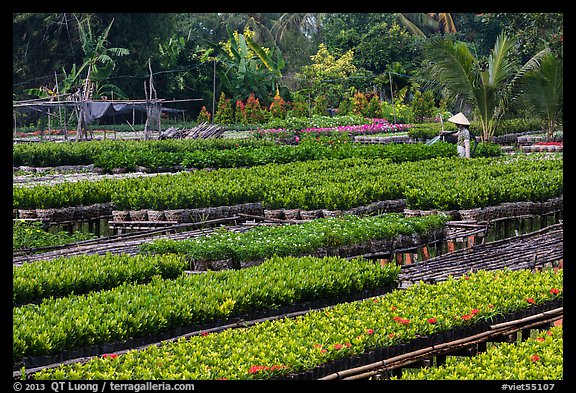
463,143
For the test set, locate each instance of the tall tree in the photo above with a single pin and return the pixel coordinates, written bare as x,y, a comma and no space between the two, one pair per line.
327,76
544,90
424,24
42,43
98,61
487,85
308,24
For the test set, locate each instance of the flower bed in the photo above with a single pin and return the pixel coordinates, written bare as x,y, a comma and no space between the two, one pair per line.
377,126
135,310
537,358
391,322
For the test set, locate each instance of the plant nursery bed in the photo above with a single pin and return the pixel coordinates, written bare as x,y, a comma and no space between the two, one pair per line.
364,249
36,363
386,361
502,210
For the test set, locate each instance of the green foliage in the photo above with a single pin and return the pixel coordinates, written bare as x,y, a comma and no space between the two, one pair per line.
224,111
513,126
293,123
327,75
399,112
427,176
423,106
425,131
248,67
86,273
302,239
32,235
134,310
320,106
204,115
544,88
536,358
489,88
322,336
374,108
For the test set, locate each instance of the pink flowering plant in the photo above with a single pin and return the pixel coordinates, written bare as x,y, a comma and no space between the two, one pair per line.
374,126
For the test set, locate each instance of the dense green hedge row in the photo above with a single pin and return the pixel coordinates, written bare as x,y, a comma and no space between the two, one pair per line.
186,154
133,310
252,156
441,183
264,242
86,273
281,347
537,359
88,152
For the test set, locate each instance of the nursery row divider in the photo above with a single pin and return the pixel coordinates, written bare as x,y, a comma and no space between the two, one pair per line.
119,238
279,220
434,350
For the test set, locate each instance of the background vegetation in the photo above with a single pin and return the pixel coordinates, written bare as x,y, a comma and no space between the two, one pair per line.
302,62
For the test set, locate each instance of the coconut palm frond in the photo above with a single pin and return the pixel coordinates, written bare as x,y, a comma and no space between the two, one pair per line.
500,67
303,22
453,64
544,89
408,25
509,91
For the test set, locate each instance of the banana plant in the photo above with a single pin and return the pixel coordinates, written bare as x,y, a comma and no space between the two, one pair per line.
98,58
248,66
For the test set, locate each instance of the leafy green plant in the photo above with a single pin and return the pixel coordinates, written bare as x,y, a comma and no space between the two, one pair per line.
85,273
265,242
344,330
30,235
133,310
341,183
536,358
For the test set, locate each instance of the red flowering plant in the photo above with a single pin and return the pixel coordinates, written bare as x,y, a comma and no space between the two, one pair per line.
240,112
262,371
253,352
204,115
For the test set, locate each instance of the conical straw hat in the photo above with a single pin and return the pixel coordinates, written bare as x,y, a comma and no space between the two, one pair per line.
459,119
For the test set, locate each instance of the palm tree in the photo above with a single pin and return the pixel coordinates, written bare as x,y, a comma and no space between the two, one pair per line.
308,24
544,89
488,86
259,23
421,23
